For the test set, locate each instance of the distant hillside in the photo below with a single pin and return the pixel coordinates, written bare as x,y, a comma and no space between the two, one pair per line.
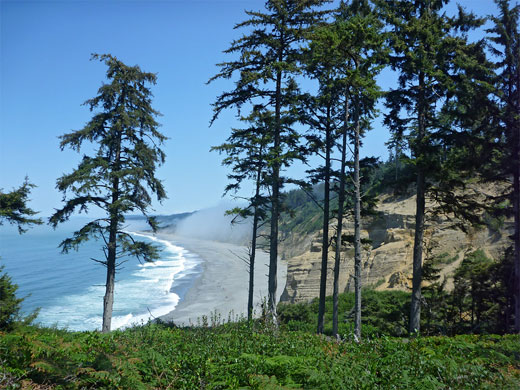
303,218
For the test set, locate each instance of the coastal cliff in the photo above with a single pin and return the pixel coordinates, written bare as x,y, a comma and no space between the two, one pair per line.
387,258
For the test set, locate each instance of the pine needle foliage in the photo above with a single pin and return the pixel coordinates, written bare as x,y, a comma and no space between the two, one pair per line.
436,67
266,66
119,178
9,303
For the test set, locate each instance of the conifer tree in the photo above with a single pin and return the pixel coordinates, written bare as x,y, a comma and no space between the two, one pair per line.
321,112
268,57
430,53
365,52
120,177
345,57
506,40
246,155
14,210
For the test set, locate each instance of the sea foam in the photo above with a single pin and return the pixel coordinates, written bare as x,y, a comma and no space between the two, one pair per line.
142,294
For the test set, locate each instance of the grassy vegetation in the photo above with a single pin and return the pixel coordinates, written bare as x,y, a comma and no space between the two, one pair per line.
241,355
251,356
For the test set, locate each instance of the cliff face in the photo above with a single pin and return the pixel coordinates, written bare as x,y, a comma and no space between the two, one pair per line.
387,261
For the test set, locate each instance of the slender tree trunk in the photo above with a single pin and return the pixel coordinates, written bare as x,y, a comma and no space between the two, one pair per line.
472,308
396,163
415,307
415,310
108,299
325,238
275,200
252,255
357,233
252,269
516,204
339,230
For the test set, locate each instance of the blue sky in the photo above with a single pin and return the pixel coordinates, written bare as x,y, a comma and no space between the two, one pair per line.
45,76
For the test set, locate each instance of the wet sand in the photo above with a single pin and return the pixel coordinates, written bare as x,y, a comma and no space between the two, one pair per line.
222,288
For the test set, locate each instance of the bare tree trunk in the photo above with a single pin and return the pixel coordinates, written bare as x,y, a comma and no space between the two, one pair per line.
415,310
325,238
339,229
415,307
108,299
357,233
273,244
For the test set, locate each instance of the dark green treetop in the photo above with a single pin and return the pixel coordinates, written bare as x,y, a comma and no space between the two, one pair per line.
119,178
505,46
436,65
267,64
270,48
128,153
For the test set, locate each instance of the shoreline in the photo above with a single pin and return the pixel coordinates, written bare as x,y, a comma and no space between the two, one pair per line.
220,290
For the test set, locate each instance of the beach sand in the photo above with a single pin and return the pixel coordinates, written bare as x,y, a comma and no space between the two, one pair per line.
223,286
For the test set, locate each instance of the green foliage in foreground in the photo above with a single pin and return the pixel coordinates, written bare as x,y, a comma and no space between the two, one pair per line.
383,313
251,356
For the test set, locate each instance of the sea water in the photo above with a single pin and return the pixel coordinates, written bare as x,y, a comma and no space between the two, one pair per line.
68,289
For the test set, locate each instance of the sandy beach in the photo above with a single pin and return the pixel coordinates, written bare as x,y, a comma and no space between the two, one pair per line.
223,286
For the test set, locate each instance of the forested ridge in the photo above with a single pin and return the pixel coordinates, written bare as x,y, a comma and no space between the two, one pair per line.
453,115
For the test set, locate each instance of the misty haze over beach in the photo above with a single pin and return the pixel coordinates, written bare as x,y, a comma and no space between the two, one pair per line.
68,287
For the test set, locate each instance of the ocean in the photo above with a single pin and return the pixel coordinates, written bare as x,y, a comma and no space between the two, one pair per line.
68,288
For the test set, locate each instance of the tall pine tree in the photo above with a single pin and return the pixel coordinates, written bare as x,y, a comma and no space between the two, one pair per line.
245,151
321,112
120,176
344,60
429,54
365,56
268,58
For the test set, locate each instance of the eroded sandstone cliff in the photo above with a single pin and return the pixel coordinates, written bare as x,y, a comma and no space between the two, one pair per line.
387,260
